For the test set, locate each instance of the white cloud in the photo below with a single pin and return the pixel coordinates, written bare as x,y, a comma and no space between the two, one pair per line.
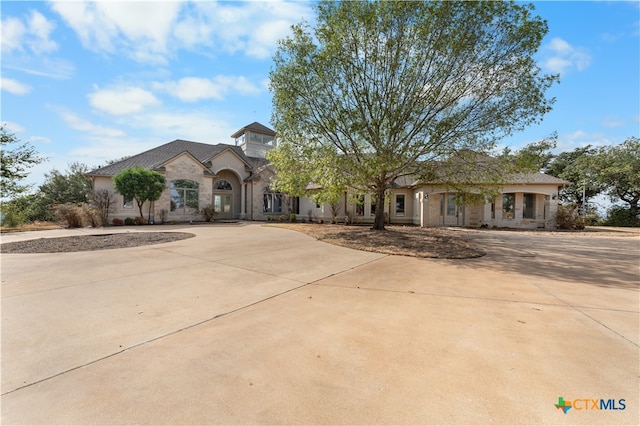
86,126
154,31
12,127
34,33
58,69
139,29
40,28
192,89
12,31
560,57
613,122
14,86
122,100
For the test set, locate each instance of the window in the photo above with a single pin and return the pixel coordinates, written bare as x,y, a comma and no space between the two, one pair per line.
222,185
529,207
508,206
263,139
184,196
294,205
399,204
240,139
493,209
272,202
451,204
373,205
360,205
127,203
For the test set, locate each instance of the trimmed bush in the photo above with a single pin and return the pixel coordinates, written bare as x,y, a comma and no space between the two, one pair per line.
293,218
117,222
129,221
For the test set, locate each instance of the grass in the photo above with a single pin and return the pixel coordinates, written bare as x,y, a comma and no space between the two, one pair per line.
35,226
397,240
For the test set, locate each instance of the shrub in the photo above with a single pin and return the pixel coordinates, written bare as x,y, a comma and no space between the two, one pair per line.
567,217
293,218
92,216
103,201
140,220
71,214
117,222
209,213
129,221
621,216
12,216
282,218
320,220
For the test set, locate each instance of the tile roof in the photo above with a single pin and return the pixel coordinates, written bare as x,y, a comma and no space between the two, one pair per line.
153,158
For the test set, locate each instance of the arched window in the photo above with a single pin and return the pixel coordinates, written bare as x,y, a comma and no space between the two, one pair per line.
184,196
222,185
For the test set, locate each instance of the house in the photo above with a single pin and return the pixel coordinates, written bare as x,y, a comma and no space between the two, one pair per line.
234,179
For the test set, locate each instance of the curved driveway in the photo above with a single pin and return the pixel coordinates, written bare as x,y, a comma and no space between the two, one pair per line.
247,324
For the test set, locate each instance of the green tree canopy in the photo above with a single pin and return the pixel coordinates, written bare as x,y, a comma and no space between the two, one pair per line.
379,89
16,158
618,170
577,167
139,184
70,187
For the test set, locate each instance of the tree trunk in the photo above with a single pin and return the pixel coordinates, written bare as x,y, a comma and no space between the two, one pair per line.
378,222
140,208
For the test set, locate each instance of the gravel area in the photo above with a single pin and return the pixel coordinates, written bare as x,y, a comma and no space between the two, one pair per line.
92,242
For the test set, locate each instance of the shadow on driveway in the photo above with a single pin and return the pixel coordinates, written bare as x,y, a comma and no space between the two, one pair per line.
590,259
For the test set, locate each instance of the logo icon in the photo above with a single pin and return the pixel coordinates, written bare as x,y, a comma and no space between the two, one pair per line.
563,405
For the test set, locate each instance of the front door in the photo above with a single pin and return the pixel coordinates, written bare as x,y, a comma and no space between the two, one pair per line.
222,205
450,210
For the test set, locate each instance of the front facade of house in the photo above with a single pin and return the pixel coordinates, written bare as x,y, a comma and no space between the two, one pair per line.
234,180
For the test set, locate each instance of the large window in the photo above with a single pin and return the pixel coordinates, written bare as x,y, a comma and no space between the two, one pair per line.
451,204
264,139
529,206
399,204
127,203
508,206
272,202
184,196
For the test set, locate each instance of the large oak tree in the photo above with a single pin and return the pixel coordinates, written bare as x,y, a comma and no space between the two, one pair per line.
378,90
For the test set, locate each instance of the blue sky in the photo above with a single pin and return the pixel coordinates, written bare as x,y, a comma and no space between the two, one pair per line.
92,82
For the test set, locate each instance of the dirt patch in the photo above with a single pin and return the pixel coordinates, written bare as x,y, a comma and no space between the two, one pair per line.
92,242
397,240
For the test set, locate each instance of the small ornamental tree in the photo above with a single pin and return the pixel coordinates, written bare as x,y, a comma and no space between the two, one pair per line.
139,184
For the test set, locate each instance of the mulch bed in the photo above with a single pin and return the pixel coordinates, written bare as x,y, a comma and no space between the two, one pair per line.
92,242
397,240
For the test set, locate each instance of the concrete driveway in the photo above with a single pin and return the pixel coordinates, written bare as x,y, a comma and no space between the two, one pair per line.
247,324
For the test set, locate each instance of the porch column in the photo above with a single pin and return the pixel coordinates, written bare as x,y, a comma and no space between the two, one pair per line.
243,195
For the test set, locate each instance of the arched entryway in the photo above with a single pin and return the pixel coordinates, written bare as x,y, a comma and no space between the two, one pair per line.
226,195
